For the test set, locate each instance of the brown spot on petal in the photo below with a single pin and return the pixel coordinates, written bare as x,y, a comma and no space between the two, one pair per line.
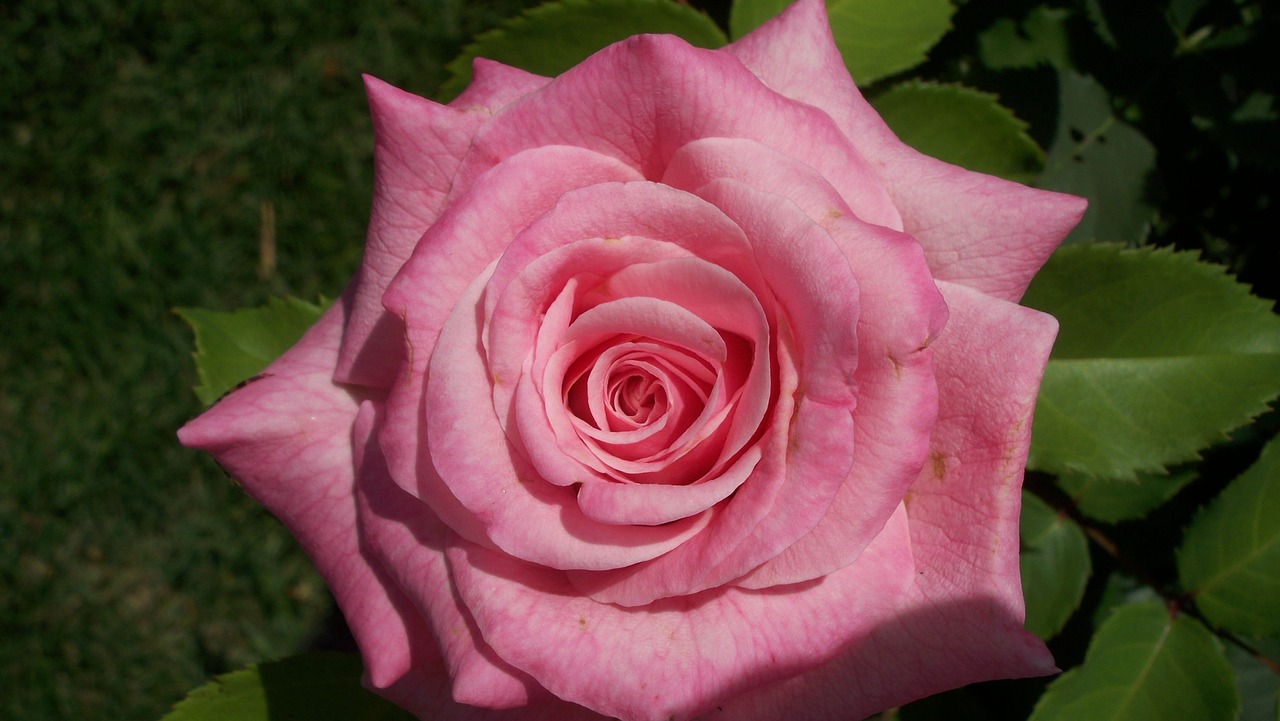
897,367
833,214
582,623
939,464
612,241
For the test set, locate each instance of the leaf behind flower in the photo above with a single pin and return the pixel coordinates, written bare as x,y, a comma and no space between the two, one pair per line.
962,126
1158,356
1230,556
877,38
316,687
1055,566
555,36
233,346
1145,665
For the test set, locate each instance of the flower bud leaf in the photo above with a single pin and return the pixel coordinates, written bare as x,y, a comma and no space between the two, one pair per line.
962,126
877,38
1158,356
1055,566
232,346
555,36
1145,665
1230,556
318,686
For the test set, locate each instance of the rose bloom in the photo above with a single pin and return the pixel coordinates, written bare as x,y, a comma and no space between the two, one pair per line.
674,387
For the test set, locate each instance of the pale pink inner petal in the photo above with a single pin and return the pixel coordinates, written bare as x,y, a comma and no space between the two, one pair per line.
695,423
725,302
636,397
649,504
473,473
479,225
691,567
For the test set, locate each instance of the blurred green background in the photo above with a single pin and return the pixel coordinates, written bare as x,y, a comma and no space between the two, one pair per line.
144,147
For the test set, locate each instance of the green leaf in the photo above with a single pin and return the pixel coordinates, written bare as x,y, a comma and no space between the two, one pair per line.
961,126
1230,555
747,15
1097,156
234,346
316,687
555,36
1158,355
876,37
1143,665
1055,566
1111,500
1040,39
1121,589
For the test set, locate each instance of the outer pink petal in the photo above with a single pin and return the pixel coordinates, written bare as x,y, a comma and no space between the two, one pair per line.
407,540
641,99
418,145
682,656
964,507
962,620
981,231
494,86
288,438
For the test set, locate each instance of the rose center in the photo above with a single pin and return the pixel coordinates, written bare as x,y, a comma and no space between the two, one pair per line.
637,397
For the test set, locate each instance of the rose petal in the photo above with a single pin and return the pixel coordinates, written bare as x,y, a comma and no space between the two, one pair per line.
749,162
418,145
683,656
407,540
479,225
472,473
495,85
978,230
962,620
641,99
897,395
287,437
622,215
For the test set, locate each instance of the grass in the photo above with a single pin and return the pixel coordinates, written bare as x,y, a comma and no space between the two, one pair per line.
139,143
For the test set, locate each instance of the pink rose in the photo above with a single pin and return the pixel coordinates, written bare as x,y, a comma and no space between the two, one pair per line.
673,387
